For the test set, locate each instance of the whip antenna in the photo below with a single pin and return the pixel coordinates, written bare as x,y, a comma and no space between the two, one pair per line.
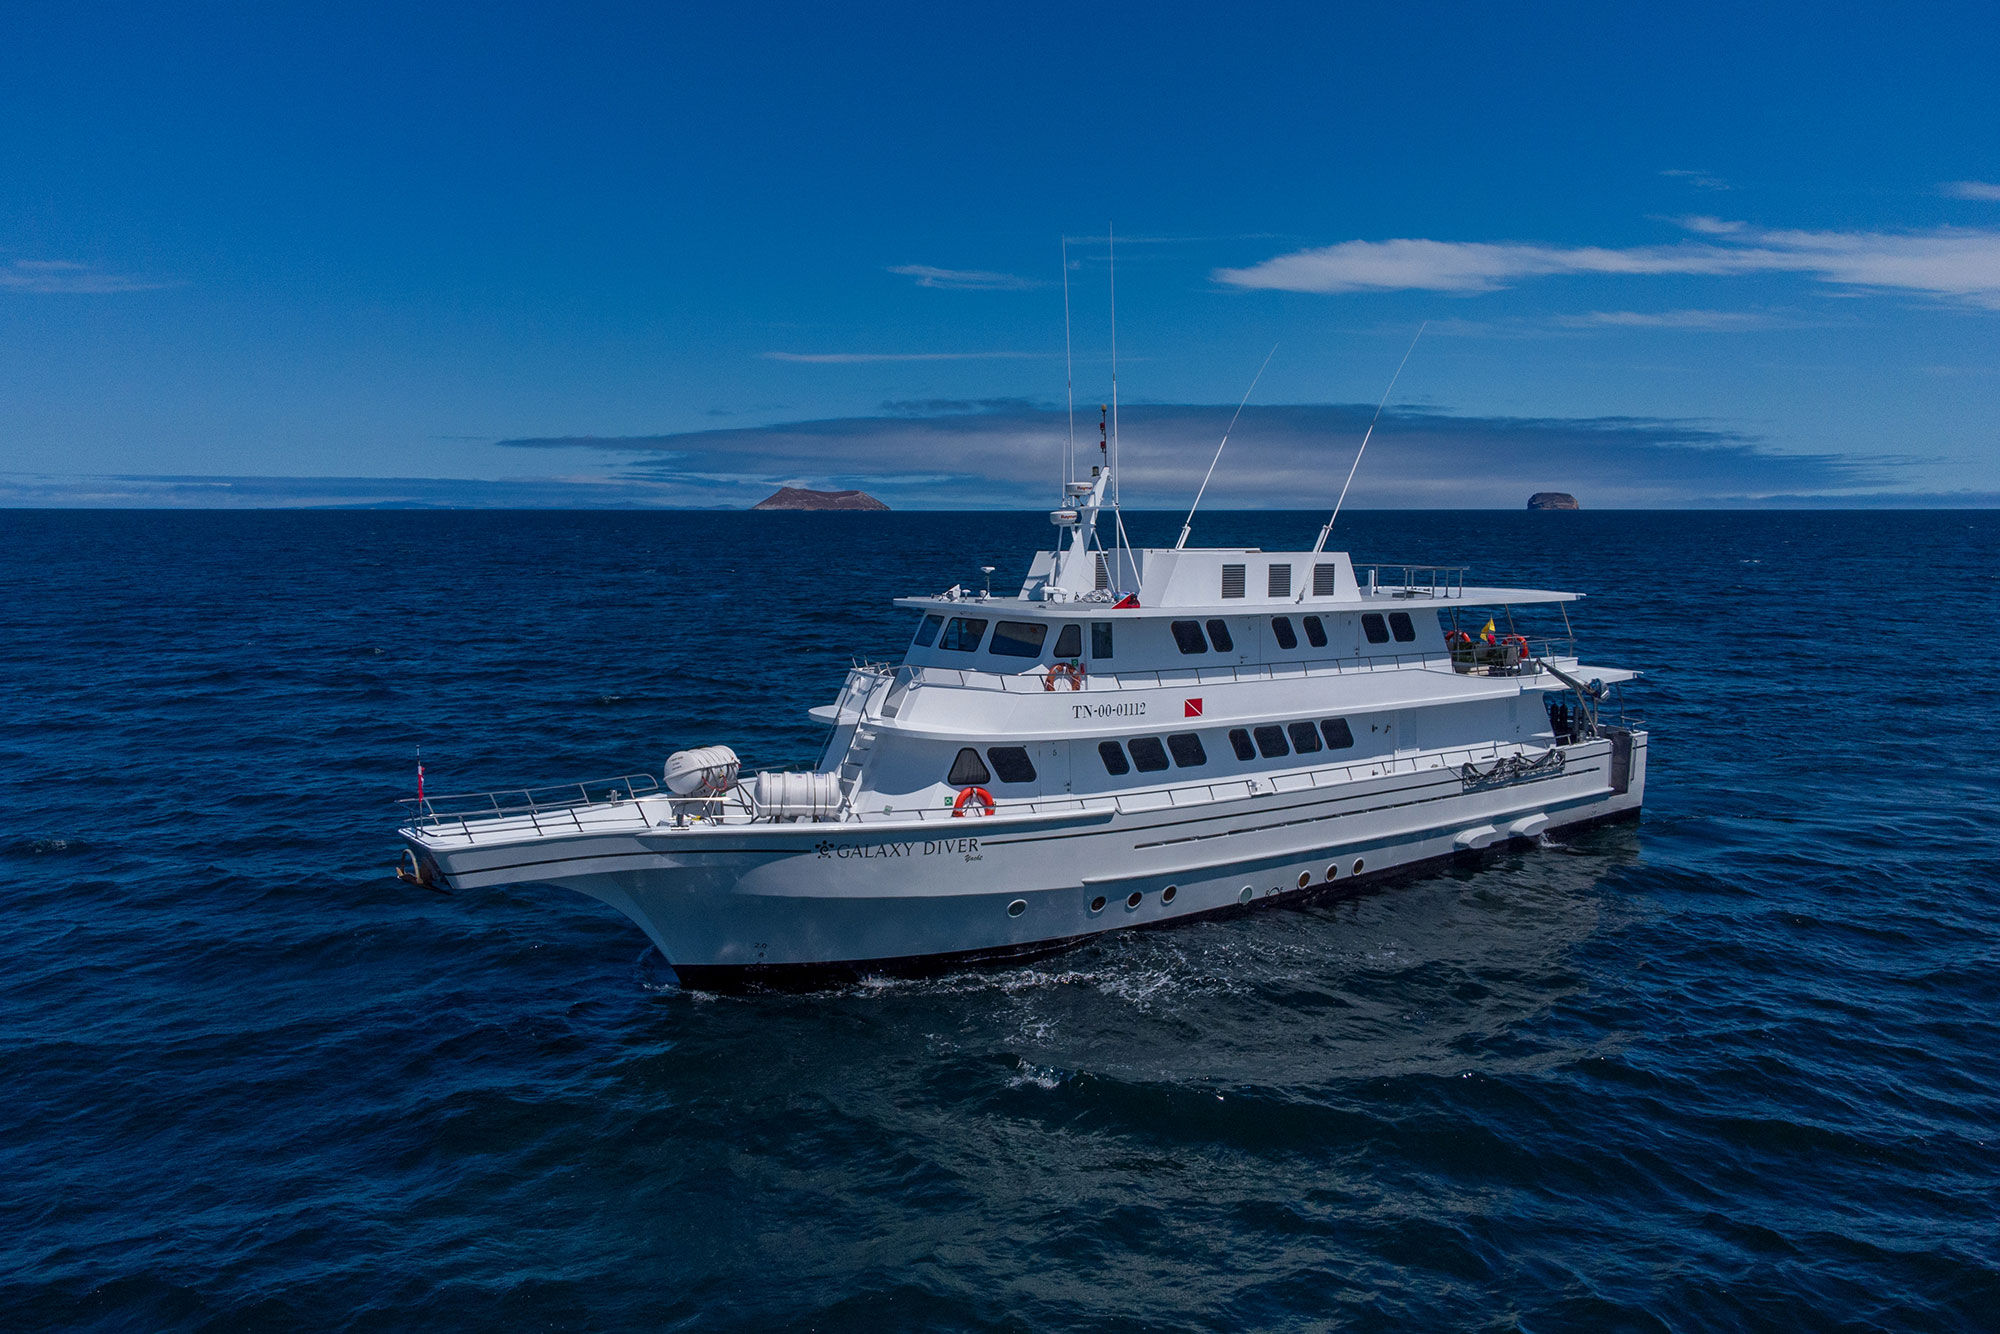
1069,374
1219,448
1321,544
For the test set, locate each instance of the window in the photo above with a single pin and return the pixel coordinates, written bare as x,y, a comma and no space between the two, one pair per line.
1325,578
1232,581
1187,750
962,634
1012,764
1337,734
1315,632
1187,634
1100,639
1069,641
1399,625
1148,754
927,631
1103,572
1305,737
1281,626
967,771
1371,625
1280,581
1018,639
1113,756
1271,741
1239,741
1218,634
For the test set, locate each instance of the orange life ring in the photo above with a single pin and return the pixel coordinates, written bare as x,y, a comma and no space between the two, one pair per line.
967,795
1061,671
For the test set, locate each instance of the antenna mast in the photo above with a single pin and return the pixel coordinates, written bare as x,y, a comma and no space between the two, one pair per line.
1324,532
1117,512
1219,448
1069,373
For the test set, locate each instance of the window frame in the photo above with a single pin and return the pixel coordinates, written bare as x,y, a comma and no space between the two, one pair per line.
1219,637
1276,732
1282,631
1100,640
1402,627
1018,648
1327,730
1108,749
1013,753
1152,759
1071,634
1374,628
1239,741
1307,730
933,624
1186,633
953,777
1315,630
1178,742
978,635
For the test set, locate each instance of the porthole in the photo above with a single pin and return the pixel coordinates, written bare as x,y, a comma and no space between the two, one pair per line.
1133,900
1246,895
1357,866
1167,894
1017,907
1305,878
1333,870
1097,904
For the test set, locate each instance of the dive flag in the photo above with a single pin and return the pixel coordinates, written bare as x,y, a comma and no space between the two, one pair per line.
1190,708
1489,626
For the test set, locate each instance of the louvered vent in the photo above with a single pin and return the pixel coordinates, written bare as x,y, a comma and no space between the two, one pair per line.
1324,581
1232,581
1103,572
1281,581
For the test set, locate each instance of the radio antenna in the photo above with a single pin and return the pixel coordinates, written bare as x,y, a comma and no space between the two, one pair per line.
1069,375
1219,448
1324,532
1117,513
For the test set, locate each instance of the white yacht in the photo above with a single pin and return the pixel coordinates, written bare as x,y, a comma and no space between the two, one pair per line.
1136,737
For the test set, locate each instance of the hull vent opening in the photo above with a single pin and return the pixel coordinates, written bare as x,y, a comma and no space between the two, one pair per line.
1103,572
1232,581
1281,581
1325,580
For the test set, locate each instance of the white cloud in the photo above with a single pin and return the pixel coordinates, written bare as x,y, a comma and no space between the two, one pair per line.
67,277
1716,321
964,280
862,358
1980,190
1957,262
1700,180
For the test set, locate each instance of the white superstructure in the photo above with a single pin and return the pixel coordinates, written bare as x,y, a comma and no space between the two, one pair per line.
1135,737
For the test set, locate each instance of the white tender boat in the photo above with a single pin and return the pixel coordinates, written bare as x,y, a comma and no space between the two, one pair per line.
1135,738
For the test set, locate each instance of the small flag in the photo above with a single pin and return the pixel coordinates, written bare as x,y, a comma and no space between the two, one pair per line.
1489,626
1190,708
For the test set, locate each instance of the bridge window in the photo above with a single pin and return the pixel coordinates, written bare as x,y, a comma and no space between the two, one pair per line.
1338,735
1187,750
1018,639
1012,764
927,631
1239,741
1315,631
1218,634
1305,737
1280,581
1232,581
1187,634
1069,641
1399,624
1281,626
1271,741
967,770
1100,639
1372,626
1113,756
1148,754
962,634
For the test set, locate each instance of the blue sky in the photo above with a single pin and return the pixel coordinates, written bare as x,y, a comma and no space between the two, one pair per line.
598,255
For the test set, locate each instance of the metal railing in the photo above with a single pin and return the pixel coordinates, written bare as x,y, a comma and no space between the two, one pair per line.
555,809
1417,581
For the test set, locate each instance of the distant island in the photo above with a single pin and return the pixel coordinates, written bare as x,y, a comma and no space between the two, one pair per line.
798,498
1541,500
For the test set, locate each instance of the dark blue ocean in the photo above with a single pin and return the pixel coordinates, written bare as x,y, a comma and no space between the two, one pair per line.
1736,1066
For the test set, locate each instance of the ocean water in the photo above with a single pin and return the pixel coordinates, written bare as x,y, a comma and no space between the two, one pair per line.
1734,1067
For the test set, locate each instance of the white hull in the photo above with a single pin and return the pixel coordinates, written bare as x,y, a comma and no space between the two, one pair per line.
733,901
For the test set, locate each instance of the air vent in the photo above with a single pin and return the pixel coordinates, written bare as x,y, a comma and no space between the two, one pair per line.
1325,580
1232,581
1103,572
1281,581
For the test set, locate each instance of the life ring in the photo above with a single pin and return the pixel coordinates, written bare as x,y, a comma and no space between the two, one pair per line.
1063,671
968,795
1459,637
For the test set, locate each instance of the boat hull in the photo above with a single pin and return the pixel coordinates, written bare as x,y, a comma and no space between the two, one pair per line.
774,903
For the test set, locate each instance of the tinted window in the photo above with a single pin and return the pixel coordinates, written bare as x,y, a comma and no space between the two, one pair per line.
1018,639
1187,750
1271,741
962,634
1113,756
1187,634
1315,632
1371,625
1305,737
1399,623
1148,754
1218,633
927,632
1069,643
967,771
1012,764
1239,741
1100,639
1281,626
1336,732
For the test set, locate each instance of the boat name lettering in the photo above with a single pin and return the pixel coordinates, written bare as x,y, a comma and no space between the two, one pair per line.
936,847
1131,709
